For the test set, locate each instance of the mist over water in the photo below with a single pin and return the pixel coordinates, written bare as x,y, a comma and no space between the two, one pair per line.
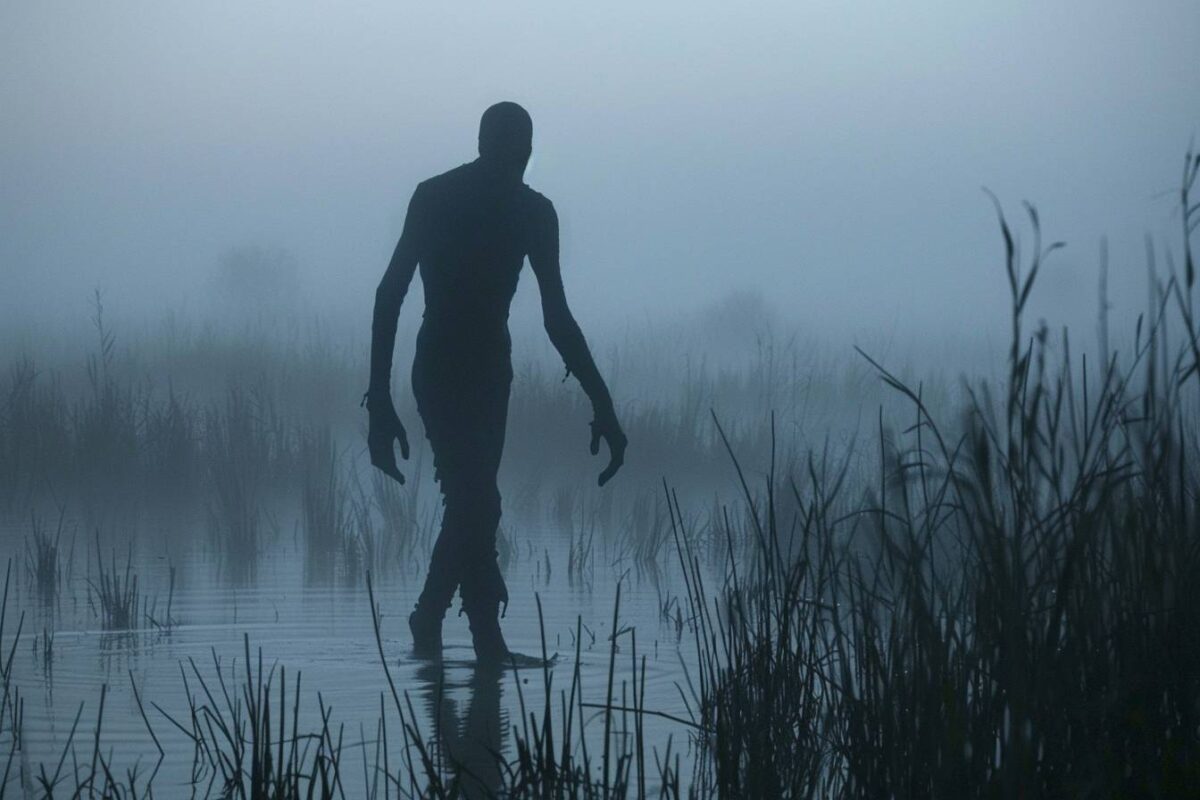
197,202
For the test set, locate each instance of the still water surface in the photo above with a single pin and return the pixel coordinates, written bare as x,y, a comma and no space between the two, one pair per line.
323,631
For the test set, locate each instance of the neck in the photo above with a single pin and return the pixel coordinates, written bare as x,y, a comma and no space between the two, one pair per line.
502,170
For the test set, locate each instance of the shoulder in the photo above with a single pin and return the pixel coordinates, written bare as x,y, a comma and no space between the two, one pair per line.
541,224
540,209
536,199
432,194
442,182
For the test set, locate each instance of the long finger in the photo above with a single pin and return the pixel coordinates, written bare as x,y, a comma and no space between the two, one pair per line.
402,435
594,447
392,472
383,458
614,464
379,456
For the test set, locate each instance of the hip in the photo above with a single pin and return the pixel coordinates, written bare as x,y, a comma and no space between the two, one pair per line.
462,364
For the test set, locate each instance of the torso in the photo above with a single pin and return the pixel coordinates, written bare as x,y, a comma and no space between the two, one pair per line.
475,236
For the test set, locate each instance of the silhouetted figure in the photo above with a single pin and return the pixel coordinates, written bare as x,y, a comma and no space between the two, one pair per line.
470,230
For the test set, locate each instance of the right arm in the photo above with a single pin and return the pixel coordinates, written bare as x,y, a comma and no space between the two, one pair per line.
385,427
390,296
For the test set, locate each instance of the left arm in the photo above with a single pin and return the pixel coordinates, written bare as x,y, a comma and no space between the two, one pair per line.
568,339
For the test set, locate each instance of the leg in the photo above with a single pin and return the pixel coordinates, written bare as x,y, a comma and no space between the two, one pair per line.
446,561
445,564
435,405
465,551
465,422
481,583
425,622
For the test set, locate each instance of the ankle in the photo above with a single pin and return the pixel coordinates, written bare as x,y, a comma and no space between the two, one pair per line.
426,630
486,635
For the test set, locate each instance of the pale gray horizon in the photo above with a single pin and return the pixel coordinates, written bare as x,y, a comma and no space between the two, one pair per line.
827,156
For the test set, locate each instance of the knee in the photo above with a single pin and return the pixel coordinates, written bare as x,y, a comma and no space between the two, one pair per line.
489,501
474,499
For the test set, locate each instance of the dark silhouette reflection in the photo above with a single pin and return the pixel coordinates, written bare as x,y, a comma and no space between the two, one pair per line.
470,230
468,746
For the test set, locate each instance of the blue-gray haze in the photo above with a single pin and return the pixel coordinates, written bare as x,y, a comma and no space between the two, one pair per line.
828,155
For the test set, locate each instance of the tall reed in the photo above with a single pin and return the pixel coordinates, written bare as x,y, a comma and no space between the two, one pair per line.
1006,614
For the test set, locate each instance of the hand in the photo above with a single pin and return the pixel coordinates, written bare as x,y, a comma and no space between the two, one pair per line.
384,429
606,427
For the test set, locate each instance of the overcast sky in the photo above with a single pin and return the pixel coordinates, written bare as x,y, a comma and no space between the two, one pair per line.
830,154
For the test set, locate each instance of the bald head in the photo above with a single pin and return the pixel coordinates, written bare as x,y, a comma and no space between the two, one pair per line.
506,134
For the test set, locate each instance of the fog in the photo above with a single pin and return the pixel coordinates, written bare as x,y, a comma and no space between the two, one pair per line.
805,581
829,156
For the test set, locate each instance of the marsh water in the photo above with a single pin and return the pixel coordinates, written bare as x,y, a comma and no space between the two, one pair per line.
229,477
321,631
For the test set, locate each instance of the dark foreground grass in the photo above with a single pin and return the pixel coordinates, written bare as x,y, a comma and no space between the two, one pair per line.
1009,614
